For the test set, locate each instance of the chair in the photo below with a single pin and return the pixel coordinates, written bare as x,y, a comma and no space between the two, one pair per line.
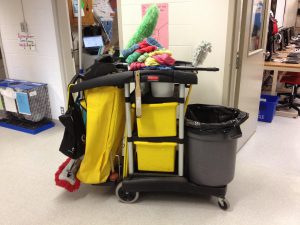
291,80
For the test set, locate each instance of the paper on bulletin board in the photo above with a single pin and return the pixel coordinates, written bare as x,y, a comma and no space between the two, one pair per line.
27,41
75,9
105,14
23,103
102,9
9,97
1,104
161,32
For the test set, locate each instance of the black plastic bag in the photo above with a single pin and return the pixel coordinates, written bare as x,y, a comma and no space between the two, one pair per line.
215,119
73,142
103,65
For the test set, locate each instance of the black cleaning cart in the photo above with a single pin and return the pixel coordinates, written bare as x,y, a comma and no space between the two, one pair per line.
128,187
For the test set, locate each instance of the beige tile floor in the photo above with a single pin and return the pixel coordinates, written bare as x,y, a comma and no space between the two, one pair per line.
265,191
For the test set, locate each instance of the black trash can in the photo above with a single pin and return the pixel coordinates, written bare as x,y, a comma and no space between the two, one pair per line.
211,143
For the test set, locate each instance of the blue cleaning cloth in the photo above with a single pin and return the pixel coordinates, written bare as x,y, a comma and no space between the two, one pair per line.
161,67
152,41
128,51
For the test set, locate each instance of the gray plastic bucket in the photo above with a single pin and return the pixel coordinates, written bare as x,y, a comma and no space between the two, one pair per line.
162,90
210,158
211,139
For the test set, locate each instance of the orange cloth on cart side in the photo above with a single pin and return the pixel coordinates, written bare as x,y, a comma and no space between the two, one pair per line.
136,66
105,129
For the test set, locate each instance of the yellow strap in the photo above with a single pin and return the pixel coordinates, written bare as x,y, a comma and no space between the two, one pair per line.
68,94
138,94
188,98
83,104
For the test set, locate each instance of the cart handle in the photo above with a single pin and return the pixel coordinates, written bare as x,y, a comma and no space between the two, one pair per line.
183,68
191,68
119,79
180,62
75,78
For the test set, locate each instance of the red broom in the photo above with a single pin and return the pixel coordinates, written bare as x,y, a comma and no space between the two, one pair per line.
65,176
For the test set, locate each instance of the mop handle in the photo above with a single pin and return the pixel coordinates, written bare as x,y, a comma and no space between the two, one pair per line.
191,68
80,37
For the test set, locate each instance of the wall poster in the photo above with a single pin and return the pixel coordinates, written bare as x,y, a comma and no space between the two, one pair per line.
161,32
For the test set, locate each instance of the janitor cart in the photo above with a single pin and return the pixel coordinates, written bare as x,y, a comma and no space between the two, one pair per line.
155,159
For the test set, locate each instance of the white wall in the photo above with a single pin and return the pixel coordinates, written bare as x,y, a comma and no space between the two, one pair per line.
298,21
280,8
42,65
190,22
290,15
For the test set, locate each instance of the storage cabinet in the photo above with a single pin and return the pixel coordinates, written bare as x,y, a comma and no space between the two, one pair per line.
88,18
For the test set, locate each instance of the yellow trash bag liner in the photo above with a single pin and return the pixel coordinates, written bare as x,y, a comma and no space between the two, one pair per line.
104,132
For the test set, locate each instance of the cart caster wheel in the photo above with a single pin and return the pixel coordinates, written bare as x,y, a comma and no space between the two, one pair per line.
124,196
223,203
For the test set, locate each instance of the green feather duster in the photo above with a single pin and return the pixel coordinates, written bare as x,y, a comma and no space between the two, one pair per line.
147,26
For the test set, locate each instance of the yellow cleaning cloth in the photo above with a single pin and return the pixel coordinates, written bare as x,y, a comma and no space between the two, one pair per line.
160,52
105,129
151,62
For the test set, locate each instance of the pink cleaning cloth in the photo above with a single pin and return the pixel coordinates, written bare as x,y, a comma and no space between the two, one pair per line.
164,59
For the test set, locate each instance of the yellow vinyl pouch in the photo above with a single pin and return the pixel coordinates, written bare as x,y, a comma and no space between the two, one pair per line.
104,132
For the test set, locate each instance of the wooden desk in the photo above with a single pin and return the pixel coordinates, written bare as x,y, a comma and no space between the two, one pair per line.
277,66
283,67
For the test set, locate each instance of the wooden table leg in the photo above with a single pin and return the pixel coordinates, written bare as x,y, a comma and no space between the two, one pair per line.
274,83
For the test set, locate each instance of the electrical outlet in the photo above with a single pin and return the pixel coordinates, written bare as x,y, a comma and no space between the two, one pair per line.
62,110
24,27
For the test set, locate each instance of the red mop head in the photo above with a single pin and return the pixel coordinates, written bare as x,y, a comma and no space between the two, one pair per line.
65,177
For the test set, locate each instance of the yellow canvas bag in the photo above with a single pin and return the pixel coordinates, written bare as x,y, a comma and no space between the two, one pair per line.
104,132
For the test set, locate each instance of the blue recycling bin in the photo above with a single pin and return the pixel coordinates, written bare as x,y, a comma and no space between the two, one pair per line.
267,108
31,101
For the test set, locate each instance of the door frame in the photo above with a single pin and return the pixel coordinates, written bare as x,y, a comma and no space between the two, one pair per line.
120,27
3,56
241,43
232,82
60,30
230,79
